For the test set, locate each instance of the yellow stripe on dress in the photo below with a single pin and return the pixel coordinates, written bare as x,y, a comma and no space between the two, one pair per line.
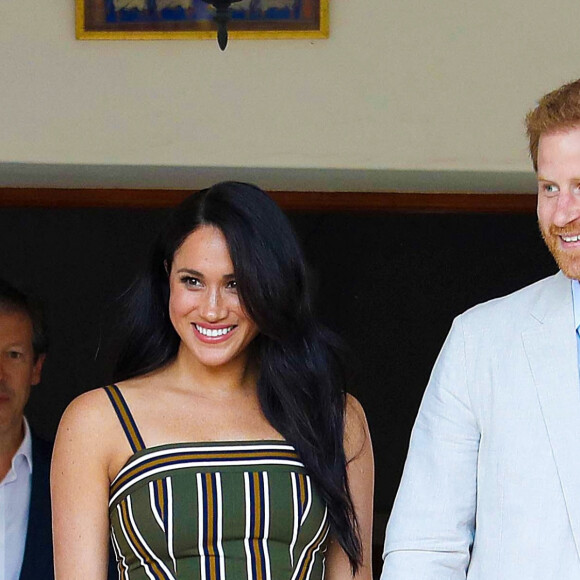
153,566
308,556
122,567
210,526
125,418
194,456
257,528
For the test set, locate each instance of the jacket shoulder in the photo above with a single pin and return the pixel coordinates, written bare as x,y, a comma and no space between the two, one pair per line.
41,449
537,296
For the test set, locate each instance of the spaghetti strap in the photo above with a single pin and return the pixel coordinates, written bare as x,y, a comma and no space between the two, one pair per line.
125,418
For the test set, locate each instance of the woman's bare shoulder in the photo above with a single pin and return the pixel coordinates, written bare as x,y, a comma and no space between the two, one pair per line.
93,410
357,437
90,413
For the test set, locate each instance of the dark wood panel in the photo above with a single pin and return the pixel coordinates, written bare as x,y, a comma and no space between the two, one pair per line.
288,200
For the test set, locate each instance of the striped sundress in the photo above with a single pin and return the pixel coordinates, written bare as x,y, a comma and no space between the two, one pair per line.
235,510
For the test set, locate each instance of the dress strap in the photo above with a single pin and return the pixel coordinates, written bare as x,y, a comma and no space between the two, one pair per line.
125,417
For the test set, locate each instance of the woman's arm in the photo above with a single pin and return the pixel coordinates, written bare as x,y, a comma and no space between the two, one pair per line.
360,472
80,488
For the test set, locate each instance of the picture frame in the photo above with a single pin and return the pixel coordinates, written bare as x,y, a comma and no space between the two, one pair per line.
193,19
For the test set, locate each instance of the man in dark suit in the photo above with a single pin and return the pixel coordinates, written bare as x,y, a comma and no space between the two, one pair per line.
25,519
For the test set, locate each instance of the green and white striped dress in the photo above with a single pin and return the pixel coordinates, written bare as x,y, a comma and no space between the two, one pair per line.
235,510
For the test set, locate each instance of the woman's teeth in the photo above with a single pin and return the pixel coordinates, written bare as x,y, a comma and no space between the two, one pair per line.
213,332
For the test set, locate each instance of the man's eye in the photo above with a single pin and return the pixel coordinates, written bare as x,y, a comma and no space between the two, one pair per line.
15,354
549,188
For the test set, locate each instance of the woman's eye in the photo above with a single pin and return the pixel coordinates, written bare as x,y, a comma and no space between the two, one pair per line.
232,284
190,281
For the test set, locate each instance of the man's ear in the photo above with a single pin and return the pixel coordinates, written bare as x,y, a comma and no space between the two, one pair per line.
166,266
37,369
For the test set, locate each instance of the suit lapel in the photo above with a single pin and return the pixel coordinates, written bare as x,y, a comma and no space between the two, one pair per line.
38,546
551,349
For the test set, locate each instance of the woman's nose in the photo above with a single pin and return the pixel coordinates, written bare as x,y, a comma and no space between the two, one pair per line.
213,307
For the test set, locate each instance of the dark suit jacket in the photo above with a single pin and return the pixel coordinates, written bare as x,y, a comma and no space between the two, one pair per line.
38,560
38,563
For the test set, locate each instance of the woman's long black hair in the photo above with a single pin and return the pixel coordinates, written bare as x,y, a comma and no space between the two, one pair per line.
301,384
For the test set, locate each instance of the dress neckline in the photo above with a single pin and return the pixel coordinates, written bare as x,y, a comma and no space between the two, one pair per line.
221,444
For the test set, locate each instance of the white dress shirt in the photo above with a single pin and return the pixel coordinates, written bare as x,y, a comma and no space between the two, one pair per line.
14,508
576,303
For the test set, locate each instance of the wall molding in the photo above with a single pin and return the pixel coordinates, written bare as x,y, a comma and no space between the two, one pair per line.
289,200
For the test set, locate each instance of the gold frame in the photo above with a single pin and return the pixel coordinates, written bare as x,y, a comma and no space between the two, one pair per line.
83,34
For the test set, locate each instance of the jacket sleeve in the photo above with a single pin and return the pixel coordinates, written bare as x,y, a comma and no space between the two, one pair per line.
431,528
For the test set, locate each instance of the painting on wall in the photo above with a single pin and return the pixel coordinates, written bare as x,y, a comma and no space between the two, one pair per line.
174,19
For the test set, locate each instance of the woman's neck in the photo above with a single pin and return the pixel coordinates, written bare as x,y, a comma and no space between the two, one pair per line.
237,376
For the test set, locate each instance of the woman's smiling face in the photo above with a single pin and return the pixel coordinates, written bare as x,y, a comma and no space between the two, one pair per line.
204,305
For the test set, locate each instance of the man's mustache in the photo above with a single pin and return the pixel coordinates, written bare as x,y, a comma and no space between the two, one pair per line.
572,229
5,389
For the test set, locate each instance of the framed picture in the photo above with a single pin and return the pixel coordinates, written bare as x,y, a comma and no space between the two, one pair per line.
183,19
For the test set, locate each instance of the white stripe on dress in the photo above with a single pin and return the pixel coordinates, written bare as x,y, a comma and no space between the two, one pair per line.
248,530
198,449
296,514
131,545
308,499
149,551
266,508
200,526
156,514
316,538
123,574
170,523
222,561
313,559
245,462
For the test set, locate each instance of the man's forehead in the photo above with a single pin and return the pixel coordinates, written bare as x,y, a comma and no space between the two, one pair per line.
15,322
560,146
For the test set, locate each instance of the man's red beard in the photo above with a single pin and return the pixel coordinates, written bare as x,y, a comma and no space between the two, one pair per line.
568,260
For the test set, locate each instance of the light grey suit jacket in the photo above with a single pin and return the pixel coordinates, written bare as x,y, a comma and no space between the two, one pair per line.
491,486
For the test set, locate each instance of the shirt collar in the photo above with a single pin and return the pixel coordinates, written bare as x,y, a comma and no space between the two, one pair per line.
576,302
25,449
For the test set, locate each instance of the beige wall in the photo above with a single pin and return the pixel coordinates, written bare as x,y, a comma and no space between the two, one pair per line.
400,85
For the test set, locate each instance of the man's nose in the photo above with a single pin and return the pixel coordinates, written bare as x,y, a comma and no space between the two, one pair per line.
567,209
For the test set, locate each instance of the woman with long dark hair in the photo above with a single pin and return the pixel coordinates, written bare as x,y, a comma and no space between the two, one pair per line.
228,447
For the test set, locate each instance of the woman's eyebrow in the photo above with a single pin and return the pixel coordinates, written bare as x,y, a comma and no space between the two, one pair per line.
190,271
